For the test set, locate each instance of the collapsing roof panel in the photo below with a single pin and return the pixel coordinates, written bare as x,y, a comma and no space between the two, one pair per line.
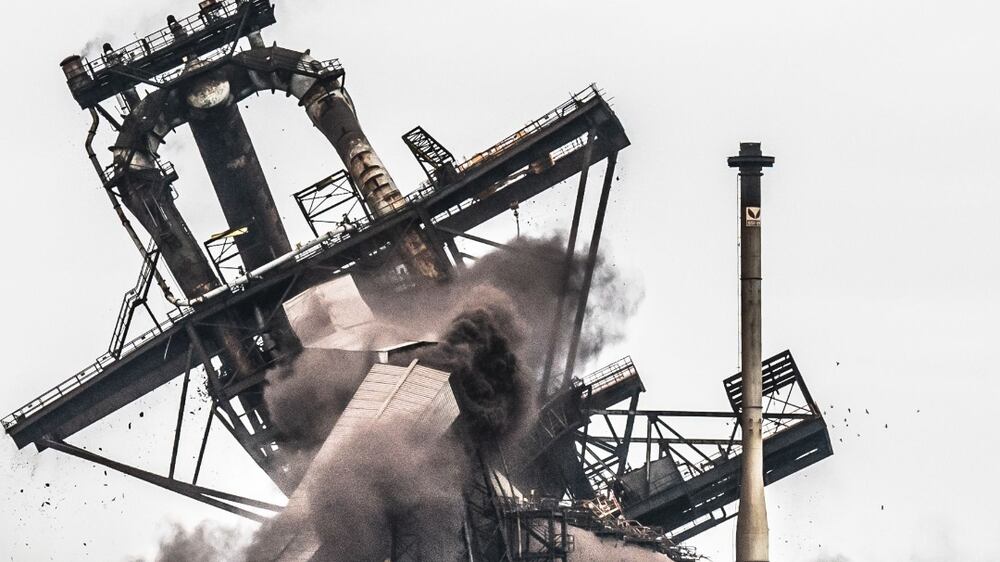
334,315
402,394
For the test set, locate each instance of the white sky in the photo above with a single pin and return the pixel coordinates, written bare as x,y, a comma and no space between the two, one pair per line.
879,234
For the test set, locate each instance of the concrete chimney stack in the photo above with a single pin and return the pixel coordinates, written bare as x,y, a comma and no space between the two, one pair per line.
751,522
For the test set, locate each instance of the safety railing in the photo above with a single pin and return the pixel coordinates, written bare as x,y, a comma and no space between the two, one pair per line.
319,67
611,375
566,108
164,37
599,380
314,68
97,367
211,56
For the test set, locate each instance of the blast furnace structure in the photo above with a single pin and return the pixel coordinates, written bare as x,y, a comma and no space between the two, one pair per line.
625,473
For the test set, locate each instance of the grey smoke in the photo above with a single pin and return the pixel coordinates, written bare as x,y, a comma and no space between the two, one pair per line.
305,397
494,325
392,480
91,49
204,543
530,278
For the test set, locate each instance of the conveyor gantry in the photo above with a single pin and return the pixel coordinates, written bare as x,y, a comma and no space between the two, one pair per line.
687,483
680,483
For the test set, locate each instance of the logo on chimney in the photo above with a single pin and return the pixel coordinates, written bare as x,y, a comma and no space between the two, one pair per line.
753,216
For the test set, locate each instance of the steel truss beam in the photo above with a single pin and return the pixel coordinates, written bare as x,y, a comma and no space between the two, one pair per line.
228,502
686,482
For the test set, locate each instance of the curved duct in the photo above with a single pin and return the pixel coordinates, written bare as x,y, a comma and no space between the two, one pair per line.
328,105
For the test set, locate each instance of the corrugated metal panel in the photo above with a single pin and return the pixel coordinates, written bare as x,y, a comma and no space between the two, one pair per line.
407,393
334,315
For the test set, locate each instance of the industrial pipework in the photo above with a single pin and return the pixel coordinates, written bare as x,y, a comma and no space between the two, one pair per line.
330,107
290,256
751,521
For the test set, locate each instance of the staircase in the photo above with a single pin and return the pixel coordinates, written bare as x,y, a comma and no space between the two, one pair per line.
135,297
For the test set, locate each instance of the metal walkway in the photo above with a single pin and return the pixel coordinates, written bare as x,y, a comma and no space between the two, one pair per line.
158,355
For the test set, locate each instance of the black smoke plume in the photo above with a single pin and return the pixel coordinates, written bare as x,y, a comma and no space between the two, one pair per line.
478,350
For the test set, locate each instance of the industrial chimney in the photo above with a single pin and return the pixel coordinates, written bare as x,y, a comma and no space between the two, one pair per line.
751,522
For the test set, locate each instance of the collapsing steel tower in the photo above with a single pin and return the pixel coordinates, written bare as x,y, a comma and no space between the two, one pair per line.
630,474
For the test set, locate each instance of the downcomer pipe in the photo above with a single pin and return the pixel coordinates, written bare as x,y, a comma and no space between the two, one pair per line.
330,108
751,522
146,192
89,146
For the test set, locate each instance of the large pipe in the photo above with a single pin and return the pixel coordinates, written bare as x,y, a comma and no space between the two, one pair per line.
235,171
751,521
89,145
242,190
329,106
146,192
260,271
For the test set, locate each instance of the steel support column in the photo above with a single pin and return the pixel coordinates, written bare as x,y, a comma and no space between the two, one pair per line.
588,273
180,412
574,229
204,444
240,184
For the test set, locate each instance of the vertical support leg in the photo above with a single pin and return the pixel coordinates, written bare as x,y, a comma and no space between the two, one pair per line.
456,254
622,451
574,228
588,274
180,412
204,442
